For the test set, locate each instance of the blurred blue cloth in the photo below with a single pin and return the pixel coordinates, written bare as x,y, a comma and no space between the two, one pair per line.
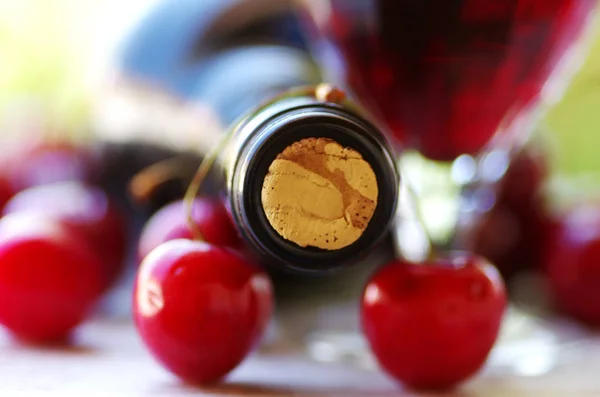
162,48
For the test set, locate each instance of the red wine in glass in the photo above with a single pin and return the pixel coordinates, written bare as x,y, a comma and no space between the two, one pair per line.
444,75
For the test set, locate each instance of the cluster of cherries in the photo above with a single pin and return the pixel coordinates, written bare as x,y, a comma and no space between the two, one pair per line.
201,306
201,303
528,230
62,240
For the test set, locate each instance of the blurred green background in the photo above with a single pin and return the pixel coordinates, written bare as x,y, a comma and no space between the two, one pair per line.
54,52
575,121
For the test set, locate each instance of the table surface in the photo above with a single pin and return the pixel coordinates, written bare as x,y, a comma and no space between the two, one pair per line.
109,360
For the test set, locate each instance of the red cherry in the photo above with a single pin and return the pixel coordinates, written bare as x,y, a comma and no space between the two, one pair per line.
572,264
200,308
171,223
42,162
432,326
49,278
85,209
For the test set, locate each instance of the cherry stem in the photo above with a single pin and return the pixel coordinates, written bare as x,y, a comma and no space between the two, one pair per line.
145,182
196,184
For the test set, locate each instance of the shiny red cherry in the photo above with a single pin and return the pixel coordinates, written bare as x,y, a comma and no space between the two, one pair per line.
572,264
200,308
85,209
171,222
41,162
432,325
49,278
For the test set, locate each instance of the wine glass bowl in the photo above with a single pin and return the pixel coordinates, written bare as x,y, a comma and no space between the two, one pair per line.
447,76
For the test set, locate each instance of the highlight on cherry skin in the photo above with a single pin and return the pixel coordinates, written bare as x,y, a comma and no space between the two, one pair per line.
171,222
200,308
85,209
50,278
432,325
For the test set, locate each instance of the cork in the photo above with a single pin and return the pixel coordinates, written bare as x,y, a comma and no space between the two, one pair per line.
318,193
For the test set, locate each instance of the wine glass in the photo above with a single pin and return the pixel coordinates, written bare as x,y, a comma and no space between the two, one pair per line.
456,80
459,85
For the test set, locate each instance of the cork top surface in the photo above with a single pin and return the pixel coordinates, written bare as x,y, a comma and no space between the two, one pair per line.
318,193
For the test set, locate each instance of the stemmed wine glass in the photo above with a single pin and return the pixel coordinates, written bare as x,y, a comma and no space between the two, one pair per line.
459,85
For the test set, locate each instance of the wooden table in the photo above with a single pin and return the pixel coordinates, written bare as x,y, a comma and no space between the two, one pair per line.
109,360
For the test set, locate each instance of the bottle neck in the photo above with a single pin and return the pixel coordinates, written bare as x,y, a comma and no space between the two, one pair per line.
289,162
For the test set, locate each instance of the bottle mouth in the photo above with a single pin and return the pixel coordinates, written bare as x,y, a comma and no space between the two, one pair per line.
315,188
317,193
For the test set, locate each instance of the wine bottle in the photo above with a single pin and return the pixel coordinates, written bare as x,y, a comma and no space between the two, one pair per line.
310,183
184,72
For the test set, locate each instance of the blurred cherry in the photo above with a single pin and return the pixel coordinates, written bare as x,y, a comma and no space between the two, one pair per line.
572,264
171,222
49,278
6,191
432,325
200,308
513,238
85,209
525,176
43,162
512,235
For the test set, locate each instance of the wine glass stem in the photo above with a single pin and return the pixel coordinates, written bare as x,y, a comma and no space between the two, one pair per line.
412,240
